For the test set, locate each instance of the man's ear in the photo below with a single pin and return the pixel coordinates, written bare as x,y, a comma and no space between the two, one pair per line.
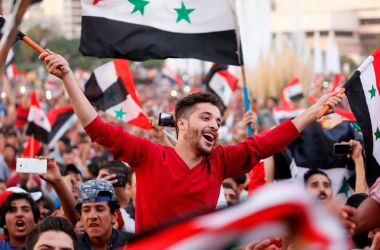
181,123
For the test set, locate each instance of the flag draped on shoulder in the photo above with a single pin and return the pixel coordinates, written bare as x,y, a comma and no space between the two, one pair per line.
221,82
292,92
265,215
139,30
110,88
363,90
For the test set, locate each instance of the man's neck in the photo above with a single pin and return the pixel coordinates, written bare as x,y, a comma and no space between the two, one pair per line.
17,242
101,243
187,154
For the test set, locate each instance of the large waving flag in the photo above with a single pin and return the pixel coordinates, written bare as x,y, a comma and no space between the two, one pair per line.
292,92
221,82
265,215
61,120
363,90
110,88
140,30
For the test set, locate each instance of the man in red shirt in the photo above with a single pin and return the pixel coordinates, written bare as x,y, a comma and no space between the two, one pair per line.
175,181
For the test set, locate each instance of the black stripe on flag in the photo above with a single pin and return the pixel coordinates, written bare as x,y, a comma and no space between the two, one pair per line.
356,97
59,128
38,132
106,38
296,97
113,95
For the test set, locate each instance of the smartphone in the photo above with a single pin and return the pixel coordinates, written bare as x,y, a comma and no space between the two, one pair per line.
342,149
121,180
166,120
31,165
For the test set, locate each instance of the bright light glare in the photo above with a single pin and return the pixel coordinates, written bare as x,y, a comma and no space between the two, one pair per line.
3,94
174,93
325,84
22,89
186,89
48,94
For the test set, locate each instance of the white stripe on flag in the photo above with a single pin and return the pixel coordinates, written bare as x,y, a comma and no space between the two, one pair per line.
368,79
68,124
162,14
38,117
293,90
128,109
106,75
221,88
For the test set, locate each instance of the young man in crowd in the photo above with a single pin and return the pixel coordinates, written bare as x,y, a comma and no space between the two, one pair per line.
318,184
52,233
188,175
97,206
18,213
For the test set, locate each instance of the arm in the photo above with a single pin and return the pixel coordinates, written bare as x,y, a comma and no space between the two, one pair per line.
311,114
53,176
82,107
357,157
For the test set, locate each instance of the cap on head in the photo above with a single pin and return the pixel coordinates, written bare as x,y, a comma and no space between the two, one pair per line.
96,191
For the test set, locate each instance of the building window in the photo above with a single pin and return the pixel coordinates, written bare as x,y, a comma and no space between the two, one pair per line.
370,21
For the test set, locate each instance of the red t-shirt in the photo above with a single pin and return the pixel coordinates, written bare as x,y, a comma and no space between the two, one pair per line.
166,187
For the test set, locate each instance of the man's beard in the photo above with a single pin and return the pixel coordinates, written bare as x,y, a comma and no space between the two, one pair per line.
322,196
193,136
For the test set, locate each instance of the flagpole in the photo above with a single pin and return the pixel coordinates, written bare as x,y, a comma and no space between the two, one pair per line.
242,68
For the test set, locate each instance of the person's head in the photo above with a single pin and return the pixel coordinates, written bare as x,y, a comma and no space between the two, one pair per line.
97,206
272,102
121,170
52,233
68,155
318,184
19,214
62,144
230,194
197,119
74,171
9,153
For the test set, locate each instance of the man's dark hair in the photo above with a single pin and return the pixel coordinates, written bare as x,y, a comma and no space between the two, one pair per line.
240,179
274,99
186,104
50,224
228,185
6,206
312,172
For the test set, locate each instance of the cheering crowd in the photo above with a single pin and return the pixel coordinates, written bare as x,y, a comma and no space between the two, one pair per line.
107,182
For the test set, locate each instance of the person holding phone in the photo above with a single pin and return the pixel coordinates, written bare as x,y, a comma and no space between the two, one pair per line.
188,176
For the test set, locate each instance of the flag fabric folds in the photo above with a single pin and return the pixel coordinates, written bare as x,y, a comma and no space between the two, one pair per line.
139,30
172,75
221,82
10,65
362,90
292,92
263,216
110,88
61,120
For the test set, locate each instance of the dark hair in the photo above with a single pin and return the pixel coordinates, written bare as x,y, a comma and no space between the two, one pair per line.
228,185
240,179
312,172
6,206
274,99
50,224
186,104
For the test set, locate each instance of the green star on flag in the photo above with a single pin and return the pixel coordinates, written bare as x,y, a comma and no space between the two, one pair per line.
377,133
345,188
119,113
139,5
372,92
183,13
222,89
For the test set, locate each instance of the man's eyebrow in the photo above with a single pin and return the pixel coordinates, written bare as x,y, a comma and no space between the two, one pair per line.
209,113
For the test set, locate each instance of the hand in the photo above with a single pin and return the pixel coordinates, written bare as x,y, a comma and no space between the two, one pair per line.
331,100
250,117
348,216
54,63
375,242
53,174
356,150
104,175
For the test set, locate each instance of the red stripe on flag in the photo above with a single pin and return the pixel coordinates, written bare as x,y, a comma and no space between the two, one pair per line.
141,121
123,71
230,79
54,113
376,66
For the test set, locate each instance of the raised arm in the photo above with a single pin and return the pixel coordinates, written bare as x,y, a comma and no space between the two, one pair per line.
311,114
82,107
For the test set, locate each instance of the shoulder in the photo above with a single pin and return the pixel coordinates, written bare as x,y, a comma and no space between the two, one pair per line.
120,237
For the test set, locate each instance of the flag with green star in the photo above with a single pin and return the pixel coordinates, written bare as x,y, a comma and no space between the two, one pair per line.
221,82
146,29
110,88
362,90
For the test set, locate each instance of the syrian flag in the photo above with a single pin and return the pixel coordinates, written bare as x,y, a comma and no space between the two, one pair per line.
281,113
141,30
10,65
38,124
292,92
265,215
363,90
171,75
61,120
221,82
110,88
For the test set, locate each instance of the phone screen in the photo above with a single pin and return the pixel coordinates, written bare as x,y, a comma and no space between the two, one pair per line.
166,120
342,149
